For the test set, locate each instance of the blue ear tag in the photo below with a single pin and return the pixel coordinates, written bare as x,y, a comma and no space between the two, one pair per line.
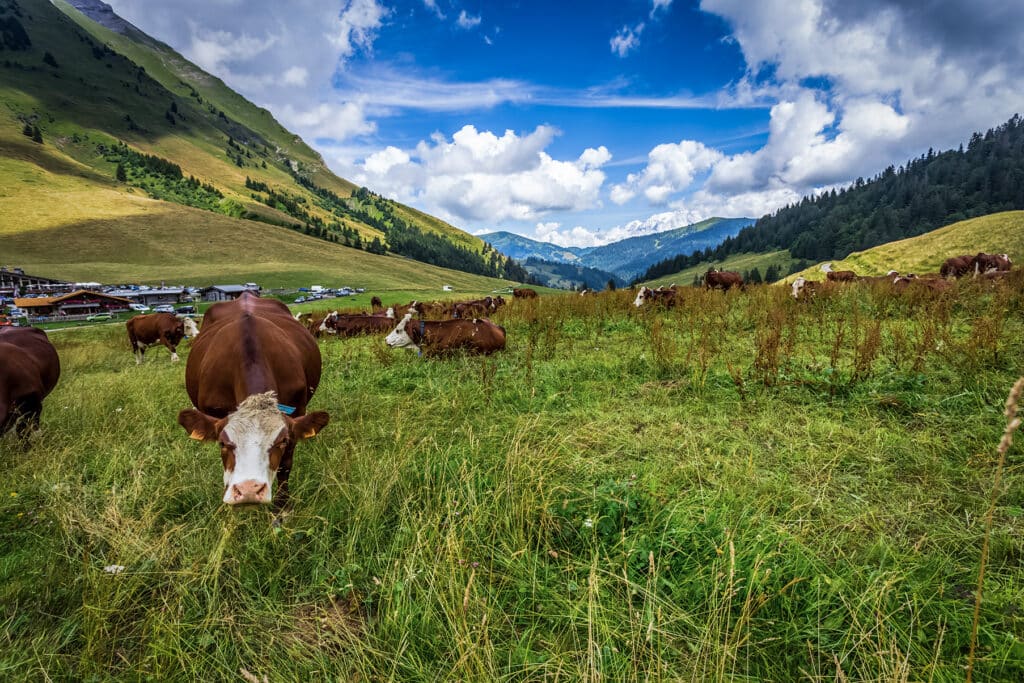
287,410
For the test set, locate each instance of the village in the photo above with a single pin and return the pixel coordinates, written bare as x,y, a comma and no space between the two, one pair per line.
34,299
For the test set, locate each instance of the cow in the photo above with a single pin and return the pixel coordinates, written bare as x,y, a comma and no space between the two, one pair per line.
957,266
838,275
931,284
355,325
722,279
159,328
476,308
250,376
524,293
661,295
984,263
29,370
444,336
376,305
803,288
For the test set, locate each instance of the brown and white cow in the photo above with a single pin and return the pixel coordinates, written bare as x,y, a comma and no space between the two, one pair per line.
662,295
911,282
837,275
437,337
957,266
477,307
722,279
524,293
29,370
355,325
803,288
250,376
985,263
159,328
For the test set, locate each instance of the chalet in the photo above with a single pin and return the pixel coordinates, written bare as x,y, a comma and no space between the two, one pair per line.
79,302
153,297
15,282
228,292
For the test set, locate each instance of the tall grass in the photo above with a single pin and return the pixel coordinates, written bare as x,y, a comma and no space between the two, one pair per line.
617,496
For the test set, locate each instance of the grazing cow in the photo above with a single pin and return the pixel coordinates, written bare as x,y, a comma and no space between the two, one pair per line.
722,279
957,266
984,263
804,288
29,369
838,275
524,293
159,328
250,375
476,308
355,325
661,295
443,336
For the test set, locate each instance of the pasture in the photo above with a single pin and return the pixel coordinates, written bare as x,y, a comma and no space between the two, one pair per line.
744,487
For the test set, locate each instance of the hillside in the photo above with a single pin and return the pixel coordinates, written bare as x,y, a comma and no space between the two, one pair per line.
739,263
126,114
926,193
626,258
996,233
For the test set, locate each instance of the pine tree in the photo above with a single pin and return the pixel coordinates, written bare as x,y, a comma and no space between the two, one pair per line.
120,174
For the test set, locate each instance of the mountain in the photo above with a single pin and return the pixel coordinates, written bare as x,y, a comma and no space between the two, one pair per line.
930,191
626,258
116,115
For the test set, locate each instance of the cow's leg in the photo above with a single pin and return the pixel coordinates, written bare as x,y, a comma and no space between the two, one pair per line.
171,346
284,470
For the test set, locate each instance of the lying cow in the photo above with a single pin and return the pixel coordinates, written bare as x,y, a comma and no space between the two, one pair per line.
159,328
838,275
29,369
524,293
935,285
664,296
250,375
476,308
722,279
988,263
355,325
957,266
444,336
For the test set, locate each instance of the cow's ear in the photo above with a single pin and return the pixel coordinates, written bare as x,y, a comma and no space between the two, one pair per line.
199,426
308,426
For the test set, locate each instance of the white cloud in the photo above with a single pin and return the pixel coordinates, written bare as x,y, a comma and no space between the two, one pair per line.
356,26
574,237
467,21
337,121
626,39
296,75
479,176
670,169
659,5
432,6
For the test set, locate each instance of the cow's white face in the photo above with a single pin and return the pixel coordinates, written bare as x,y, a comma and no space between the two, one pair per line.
390,312
798,284
191,329
641,297
826,267
253,440
323,324
399,338
1007,257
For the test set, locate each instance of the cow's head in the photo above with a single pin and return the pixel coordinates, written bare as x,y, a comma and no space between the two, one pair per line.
191,329
826,267
327,324
253,440
399,338
798,285
642,297
390,312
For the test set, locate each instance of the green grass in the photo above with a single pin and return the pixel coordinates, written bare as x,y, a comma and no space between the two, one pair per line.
743,488
737,263
997,233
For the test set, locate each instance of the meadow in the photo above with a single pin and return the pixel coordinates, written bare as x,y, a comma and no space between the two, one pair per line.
744,487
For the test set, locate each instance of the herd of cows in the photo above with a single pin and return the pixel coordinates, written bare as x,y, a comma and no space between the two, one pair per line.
254,367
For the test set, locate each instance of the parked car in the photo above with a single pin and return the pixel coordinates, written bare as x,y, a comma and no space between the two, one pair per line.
185,310
141,308
99,316
164,308
300,300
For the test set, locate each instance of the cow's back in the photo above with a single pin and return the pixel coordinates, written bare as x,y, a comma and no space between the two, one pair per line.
27,355
246,349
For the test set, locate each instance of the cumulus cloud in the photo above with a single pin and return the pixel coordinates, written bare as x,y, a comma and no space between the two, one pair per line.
626,39
577,236
670,169
328,120
480,176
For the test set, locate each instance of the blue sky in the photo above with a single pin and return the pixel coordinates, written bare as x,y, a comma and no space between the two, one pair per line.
585,122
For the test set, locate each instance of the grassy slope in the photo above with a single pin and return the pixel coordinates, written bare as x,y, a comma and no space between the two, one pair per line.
739,263
996,233
601,501
57,219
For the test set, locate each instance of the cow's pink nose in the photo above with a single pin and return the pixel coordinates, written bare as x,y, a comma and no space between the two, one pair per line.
249,491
